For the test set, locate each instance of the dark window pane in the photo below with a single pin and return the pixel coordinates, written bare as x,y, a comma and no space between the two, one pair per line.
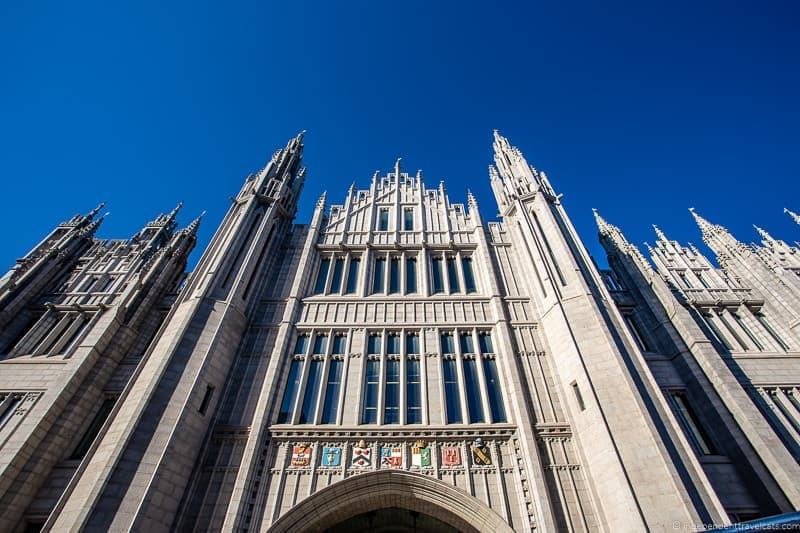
322,276
383,220
394,275
339,344
473,391
352,276
301,345
448,344
411,275
393,346
320,344
380,274
469,277
495,395
452,274
691,424
452,395
374,344
292,386
331,405
338,269
391,405
370,414
438,279
408,219
466,343
94,428
413,399
412,344
486,343
310,396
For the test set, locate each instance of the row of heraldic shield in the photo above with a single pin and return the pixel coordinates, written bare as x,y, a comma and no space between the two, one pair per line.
391,456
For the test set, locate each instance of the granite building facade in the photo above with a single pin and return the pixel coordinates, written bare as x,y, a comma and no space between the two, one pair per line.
398,363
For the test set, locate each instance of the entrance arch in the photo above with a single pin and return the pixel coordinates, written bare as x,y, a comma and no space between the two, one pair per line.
390,489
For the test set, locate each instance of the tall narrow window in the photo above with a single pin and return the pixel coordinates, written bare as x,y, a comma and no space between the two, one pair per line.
371,383
701,279
394,275
339,344
380,274
8,405
750,334
774,334
331,405
411,275
352,275
451,392
690,423
474,405
413,398
469,276
448,345
320,344
684,279
633,326
733,332
374,344
338,270
393,344
438,275
708,318
301,345
383,220
289,395
495,394
94,428
322,276
391,404
310,396
485,341
408,219
452,274
578,396
466,343
412,343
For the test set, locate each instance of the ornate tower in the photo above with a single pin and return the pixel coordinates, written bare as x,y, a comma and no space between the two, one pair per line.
78,313
143,462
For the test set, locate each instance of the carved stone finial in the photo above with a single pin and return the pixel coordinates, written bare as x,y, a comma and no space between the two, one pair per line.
792,214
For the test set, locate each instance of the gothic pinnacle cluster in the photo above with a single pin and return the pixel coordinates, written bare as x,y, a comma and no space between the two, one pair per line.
398,363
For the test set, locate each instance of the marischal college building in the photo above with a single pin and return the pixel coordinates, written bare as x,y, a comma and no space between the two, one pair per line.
397,364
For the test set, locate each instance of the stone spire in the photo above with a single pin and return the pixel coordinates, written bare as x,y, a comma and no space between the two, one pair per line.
766,237
792,214
614,241
706,228
660,234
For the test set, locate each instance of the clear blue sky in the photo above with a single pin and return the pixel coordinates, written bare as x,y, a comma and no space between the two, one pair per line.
640,109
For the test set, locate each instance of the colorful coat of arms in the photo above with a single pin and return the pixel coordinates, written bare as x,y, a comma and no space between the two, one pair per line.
480,453
301,455
420,454
331,456
451,456
362,454
391,457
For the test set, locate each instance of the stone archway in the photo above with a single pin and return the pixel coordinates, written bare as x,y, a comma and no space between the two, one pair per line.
390,489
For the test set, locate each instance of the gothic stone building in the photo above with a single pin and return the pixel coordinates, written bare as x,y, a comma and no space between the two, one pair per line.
399,364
